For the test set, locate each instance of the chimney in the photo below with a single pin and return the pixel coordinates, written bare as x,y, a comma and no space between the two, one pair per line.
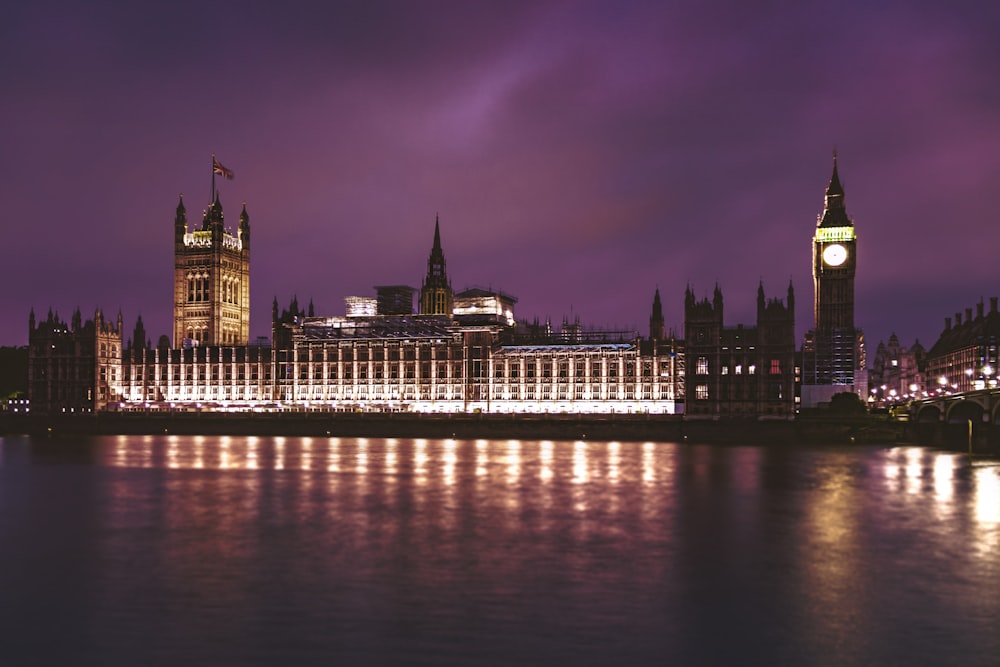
947,324
958,319
979,310
993,304
968,315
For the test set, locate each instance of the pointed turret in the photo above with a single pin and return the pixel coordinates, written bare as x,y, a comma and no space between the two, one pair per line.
791,297
245,227
180,221
656,326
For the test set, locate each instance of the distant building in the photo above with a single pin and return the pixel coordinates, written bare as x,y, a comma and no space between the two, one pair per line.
833,352
484,306
361,306
75,367
739,371
394,299
896,373
964,358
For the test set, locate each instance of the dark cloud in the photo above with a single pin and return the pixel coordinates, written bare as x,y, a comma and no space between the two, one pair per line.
580,154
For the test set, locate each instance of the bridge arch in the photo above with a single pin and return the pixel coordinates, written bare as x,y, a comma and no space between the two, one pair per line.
929,414
962,411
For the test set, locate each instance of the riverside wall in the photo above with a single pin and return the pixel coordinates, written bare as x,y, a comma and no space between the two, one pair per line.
657,428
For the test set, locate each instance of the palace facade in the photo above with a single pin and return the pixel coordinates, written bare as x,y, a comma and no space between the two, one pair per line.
461,352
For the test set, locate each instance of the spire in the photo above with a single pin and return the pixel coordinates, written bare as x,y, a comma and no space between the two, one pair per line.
656,327
834,213
835,188
435,293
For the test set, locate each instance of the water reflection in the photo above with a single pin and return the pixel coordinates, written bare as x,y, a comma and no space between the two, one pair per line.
600,476
808,556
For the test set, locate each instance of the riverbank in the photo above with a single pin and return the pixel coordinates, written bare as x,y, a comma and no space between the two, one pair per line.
671,428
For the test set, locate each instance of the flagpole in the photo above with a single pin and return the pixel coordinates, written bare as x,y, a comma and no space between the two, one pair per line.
211,196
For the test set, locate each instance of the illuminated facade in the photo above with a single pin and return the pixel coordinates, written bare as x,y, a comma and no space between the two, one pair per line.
432,364
896,373
833,354
211,280
965,357
379,357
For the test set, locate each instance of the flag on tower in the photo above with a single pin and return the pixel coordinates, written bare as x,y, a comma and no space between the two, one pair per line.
217,168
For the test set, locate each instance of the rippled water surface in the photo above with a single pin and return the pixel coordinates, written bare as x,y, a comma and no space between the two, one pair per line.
187,550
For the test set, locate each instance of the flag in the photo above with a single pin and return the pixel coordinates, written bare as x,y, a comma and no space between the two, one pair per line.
217,168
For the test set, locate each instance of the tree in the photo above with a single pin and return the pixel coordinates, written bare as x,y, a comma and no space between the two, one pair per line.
847,403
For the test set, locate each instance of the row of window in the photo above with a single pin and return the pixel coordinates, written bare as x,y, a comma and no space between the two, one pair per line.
701,368
199,290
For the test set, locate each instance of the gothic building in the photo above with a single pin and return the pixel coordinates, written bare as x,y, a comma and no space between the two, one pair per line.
74,367
462,352
211,279
739,371
833,353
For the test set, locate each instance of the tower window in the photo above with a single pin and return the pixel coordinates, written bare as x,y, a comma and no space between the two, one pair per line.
702,366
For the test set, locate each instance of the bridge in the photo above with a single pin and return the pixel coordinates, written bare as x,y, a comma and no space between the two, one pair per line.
981,406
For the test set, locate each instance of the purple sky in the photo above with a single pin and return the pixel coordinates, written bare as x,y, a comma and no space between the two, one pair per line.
580,154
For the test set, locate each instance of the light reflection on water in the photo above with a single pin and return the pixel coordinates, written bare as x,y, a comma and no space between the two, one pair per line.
382,550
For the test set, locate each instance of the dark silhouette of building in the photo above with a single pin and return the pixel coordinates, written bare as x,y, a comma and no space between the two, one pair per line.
657,328
739,371
833,355
436,296
394,299
75,367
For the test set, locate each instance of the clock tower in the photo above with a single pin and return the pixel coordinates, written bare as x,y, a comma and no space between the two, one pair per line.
834,261
833,355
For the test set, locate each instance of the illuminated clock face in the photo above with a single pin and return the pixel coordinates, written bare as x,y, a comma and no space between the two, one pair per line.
835,255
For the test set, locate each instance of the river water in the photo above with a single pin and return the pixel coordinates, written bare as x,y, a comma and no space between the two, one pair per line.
258,551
